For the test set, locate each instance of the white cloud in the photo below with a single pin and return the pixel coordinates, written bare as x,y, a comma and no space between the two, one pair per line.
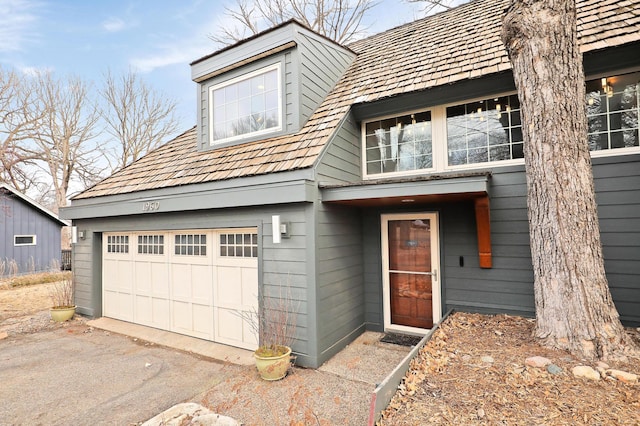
35,71
177,53
184,50
17,19
113,25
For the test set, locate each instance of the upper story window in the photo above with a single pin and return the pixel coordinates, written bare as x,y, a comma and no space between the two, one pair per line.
399,144
248,105
489,131
484,131
613,111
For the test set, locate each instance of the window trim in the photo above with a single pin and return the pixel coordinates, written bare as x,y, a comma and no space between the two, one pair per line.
363,147
276,66
439,138
33,242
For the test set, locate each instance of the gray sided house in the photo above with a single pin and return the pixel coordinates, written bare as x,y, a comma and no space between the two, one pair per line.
390,170
30,233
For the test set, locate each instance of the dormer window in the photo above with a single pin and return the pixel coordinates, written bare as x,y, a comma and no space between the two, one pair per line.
246,106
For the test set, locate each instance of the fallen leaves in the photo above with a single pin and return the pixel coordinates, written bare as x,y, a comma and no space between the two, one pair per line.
448,382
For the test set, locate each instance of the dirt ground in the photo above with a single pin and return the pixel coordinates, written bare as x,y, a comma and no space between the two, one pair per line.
25,309
24,300
473,372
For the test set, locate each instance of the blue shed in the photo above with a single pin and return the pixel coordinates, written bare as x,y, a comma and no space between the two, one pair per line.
31,233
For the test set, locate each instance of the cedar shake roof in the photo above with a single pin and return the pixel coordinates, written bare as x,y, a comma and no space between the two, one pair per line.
462,43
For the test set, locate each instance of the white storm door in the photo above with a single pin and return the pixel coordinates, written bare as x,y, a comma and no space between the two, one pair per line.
236,287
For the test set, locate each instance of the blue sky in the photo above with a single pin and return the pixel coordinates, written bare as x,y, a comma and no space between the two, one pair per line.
157,38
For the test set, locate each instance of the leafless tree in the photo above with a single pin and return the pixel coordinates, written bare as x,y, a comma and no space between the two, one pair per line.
433,6
574,307
64,141
21,116
340,20
139,117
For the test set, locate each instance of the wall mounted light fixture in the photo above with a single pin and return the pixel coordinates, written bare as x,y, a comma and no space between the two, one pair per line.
279,229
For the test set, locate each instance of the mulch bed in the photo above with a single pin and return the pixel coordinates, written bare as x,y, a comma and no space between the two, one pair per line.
473,372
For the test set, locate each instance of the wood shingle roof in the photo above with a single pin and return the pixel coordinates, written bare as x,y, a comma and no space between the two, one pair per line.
462,43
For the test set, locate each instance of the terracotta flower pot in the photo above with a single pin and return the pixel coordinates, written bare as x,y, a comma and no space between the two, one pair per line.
62,314
273,367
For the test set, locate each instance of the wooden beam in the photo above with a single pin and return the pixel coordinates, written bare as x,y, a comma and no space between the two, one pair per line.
483,227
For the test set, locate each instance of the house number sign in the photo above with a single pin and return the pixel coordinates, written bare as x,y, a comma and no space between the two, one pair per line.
151,206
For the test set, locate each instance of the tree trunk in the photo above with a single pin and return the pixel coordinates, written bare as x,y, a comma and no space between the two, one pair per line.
574,308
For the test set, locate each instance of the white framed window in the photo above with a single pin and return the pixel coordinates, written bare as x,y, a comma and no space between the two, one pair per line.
190,244
24,240
613,109
150,244
249,105
398,145
480,133
117,244
239,245
484,131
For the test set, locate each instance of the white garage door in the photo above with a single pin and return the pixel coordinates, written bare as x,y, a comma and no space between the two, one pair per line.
198,283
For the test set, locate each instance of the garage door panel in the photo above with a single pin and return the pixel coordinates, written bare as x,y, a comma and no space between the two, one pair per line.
143,310
229,288
143,278
203,320
202,285
180,282
121,305
172,281
161,316
249,287
160,280
181,316
233,330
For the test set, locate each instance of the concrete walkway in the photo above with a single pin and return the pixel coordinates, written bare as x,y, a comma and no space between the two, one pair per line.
176,341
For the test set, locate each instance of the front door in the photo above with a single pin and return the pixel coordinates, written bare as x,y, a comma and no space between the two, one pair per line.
410,266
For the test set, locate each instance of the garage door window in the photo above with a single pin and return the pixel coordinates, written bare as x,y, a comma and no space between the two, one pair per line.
150,244
239,245
191,245
118,244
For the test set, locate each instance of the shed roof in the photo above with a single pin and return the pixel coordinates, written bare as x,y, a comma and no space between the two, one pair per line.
459,44
45,211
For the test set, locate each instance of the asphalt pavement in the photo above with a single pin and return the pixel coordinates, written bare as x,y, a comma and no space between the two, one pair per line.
82,376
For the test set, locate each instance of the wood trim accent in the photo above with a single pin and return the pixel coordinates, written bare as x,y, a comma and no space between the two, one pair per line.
483,228
246,61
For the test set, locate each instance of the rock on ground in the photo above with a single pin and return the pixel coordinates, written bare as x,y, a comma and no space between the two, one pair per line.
586,372
188,414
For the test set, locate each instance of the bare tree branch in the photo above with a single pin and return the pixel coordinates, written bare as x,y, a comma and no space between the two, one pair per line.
340,20
20,118
433,6
137,116
62,143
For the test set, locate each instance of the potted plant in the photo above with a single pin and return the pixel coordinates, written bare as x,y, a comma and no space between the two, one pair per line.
62,296
275,323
